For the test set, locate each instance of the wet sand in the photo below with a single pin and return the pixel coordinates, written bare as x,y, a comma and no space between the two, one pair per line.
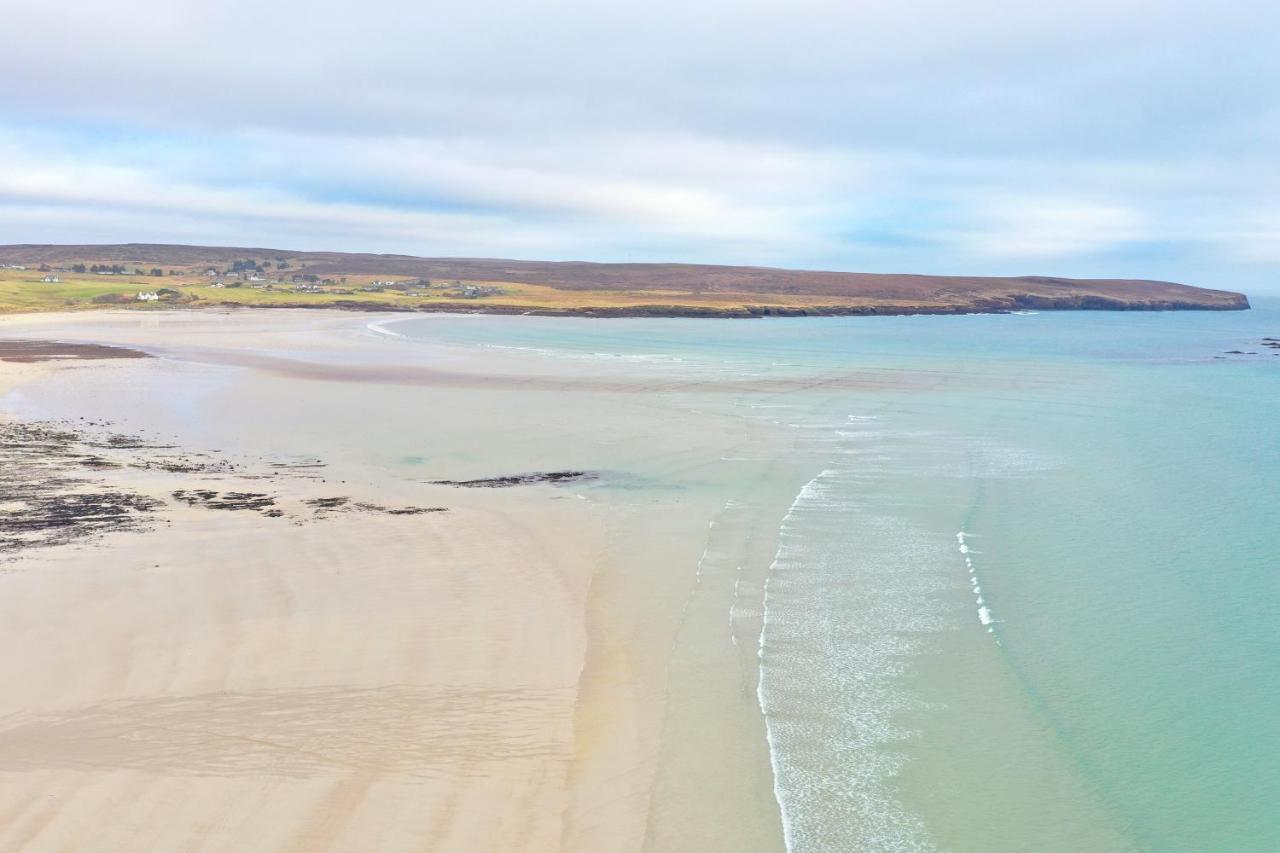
217,677
29,351
277,656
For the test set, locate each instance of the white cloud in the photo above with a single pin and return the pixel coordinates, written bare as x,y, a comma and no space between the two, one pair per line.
1051,227
995,136
1253,239
672,191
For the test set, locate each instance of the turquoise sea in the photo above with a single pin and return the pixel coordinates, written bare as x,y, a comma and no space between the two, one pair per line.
977,583
1026,595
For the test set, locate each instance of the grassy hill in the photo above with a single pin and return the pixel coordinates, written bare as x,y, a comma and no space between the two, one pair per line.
196,276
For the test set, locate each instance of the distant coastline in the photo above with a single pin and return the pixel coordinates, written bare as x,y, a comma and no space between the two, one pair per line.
37,278
745,313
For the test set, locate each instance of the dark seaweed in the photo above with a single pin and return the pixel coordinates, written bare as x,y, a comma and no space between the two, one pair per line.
44,500
344,504
554,478
234,501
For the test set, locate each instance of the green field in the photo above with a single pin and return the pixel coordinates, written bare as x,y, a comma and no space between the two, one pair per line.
23,291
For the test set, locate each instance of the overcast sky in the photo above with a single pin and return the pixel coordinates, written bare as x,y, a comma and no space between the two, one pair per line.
1083,138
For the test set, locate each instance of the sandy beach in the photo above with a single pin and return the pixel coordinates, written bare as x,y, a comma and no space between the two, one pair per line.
303,649
322,581
616,428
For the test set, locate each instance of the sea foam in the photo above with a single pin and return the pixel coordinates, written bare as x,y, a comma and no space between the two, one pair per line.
851,593
984,611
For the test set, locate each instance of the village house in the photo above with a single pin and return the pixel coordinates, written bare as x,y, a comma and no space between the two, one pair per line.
472,291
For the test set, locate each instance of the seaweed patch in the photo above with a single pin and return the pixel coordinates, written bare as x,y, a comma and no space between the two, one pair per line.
555,478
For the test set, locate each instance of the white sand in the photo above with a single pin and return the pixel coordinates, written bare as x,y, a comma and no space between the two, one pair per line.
490,678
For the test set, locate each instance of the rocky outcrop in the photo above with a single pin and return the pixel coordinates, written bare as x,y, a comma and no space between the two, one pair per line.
555,478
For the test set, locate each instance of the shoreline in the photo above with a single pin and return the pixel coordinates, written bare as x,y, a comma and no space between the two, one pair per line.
362,611
301,702
753,312
577,666
749,312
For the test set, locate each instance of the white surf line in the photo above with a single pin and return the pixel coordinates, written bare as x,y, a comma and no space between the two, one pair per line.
985,616
379,327
779,797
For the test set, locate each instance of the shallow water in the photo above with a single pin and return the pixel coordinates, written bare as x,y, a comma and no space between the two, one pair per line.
1022,600
996,582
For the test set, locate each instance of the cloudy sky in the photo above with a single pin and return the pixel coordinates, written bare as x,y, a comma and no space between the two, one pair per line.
1097,137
